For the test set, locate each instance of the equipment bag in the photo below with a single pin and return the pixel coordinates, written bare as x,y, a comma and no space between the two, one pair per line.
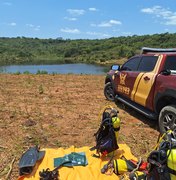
106,136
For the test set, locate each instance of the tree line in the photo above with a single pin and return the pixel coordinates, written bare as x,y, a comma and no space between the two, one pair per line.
22,50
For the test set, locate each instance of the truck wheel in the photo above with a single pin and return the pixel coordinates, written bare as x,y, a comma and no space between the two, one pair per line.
108,91
167,118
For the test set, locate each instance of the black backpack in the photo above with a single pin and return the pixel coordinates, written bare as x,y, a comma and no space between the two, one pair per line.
105,137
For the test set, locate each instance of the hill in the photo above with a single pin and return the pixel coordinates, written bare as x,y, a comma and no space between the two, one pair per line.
22,50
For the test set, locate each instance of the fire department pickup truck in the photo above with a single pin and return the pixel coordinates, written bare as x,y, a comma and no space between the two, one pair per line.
147,83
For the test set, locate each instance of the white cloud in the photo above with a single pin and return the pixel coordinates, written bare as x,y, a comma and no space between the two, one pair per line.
93,9
127,33
35,28
76,12
115,22
30,25
168,16
105,24
109,23
171,20
70,19
71,31
7,3
12,24
97,34
116,30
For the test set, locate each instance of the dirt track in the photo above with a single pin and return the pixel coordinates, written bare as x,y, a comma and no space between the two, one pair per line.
59,111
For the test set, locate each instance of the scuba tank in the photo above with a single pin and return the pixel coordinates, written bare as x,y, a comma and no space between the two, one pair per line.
137,169
116,126
171,163
138,175
171,155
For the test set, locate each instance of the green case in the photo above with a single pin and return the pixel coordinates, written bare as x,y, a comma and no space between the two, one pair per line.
72,159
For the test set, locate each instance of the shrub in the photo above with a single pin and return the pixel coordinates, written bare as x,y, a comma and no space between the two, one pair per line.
41,72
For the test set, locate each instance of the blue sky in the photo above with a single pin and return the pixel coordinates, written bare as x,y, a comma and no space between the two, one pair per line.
86,19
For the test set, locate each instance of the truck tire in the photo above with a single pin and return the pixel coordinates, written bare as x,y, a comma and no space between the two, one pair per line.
167,118
108,92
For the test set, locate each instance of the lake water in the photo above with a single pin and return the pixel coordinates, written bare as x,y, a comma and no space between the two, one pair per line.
59,69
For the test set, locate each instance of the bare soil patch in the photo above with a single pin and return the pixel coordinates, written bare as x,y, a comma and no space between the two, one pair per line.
60,111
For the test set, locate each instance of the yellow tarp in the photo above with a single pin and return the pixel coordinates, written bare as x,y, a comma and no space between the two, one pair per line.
90,172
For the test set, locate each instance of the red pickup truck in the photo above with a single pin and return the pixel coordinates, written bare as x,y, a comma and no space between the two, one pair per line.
147,83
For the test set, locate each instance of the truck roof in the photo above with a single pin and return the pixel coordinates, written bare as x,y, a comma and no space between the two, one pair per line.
147,50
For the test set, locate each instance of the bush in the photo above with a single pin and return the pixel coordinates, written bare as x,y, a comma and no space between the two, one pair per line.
17,73
26,72
41,72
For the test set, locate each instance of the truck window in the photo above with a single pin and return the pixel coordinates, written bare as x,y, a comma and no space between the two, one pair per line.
170,63
131,65
147,63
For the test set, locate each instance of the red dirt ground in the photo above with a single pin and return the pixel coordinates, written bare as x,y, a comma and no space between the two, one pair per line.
60,111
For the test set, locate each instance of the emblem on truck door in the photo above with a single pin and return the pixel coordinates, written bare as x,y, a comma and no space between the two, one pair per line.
122,87
122,78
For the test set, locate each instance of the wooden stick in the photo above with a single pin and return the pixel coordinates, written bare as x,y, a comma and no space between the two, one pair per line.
3,147
10,170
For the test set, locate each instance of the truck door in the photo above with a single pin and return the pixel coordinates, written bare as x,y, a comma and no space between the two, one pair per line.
126,77
148,69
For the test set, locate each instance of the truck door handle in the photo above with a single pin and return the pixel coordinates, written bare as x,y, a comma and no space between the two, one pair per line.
146,78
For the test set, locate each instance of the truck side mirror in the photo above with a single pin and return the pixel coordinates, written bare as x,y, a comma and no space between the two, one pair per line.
166,72
115,67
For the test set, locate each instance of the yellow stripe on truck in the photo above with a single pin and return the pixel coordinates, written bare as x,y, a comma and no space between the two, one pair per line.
143,87
136,83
